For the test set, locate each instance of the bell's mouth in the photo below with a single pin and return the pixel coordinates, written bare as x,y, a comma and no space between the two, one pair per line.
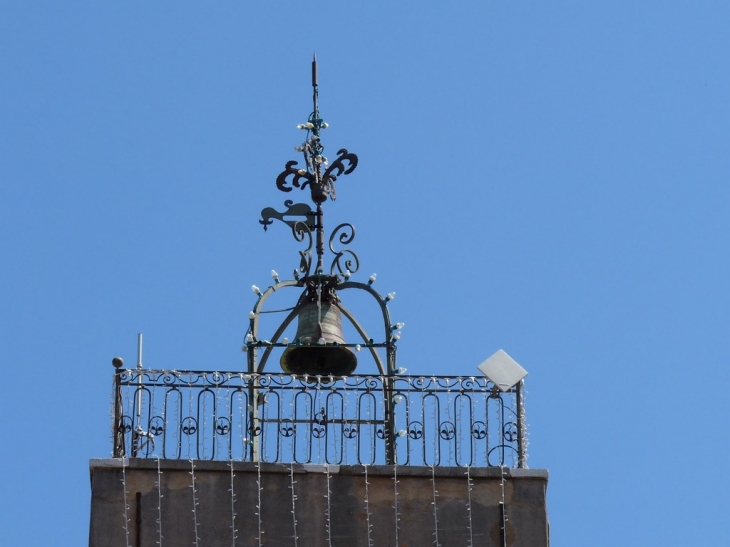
318,361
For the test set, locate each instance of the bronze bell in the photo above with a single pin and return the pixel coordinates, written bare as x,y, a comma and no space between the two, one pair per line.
313,357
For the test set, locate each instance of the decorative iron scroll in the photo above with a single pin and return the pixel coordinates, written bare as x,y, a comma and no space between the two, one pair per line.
302,231
442,421
337,169
296,174
345,233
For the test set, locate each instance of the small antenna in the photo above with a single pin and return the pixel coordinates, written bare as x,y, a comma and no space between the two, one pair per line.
139,350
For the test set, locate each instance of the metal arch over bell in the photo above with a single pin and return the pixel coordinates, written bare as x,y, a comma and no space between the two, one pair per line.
312,357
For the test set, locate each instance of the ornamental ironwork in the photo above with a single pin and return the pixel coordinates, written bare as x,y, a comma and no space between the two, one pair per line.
436,420
319,411
319,346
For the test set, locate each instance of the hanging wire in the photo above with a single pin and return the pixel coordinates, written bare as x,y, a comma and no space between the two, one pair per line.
346,427
191,429
241,420
395,503
367,508
275,311
195,502
293,502
435,513
159,502
229,414
468,505
328,511
503,508
523,422
451,460
233,507
203,424
258,501
126,502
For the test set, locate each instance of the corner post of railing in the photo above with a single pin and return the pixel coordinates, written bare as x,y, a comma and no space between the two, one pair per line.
388,381
521,433
118,430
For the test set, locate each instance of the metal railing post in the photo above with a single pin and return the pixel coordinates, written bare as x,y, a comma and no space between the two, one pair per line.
118,430
521,434
390,433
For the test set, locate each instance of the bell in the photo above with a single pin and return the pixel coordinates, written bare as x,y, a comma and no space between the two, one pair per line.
312,357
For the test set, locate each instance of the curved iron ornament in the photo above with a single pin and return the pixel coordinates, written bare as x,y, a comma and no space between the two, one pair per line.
479,430
222,426
447,431
294,177
302,231
189,425
338,169
157,426
345,232
297,175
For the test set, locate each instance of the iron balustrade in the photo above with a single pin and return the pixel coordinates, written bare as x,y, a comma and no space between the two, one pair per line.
408,420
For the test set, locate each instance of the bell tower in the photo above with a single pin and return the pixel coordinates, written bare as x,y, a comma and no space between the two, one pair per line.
338,446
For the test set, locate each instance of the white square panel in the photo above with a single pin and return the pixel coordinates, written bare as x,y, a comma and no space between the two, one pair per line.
504,371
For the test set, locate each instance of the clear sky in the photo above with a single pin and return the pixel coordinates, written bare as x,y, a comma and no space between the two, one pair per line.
550,178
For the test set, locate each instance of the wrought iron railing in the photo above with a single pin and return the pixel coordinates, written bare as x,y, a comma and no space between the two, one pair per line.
408,420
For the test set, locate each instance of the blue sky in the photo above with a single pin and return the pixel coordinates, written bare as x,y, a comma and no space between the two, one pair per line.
550,178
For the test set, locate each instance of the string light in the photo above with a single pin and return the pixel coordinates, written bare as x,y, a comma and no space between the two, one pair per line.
159,502
233,508
435,514
503,509
195,501
126,503
395,502
329,507
367,508
452,460
468,505
258,501
523,422
293,502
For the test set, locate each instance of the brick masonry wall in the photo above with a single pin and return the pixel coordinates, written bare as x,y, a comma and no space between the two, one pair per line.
524,497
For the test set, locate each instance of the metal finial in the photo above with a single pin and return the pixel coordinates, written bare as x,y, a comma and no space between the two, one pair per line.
314,71
317,174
